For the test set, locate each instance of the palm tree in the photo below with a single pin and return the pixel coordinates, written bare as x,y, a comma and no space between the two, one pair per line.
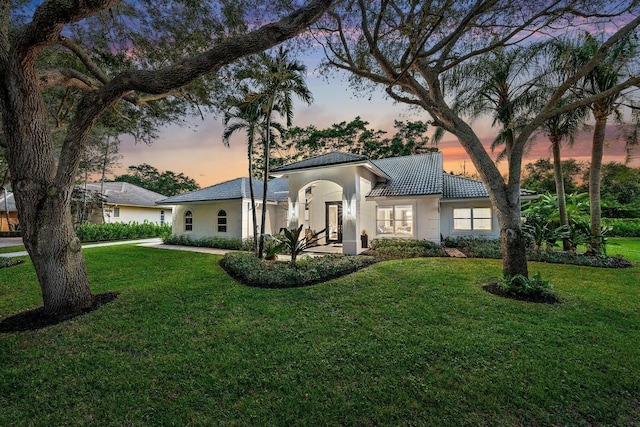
606,75
277,79
244,114
504,85
558,129
562,127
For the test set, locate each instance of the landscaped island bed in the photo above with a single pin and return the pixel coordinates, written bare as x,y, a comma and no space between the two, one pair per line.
415,340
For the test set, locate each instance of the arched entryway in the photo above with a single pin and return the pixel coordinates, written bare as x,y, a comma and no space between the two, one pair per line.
321,203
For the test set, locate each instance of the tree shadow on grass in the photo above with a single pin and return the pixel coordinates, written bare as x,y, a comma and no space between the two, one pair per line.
35,319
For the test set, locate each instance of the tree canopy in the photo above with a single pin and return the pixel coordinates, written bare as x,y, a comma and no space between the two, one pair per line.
167,183
409,49
127,59
356,136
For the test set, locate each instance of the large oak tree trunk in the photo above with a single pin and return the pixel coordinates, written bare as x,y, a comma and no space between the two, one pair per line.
43,200
595,171
56,253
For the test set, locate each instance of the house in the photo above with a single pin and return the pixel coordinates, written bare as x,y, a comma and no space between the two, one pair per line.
126,203
348,195
8,208
224,210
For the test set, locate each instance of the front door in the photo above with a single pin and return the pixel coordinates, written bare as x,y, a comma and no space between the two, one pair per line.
334,222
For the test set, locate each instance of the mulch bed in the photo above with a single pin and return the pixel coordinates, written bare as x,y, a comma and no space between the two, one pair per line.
494,289
36,319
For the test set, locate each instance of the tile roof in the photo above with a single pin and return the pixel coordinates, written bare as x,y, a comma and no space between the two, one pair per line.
416,175
409,176
123,193
328,159
459,187
231,190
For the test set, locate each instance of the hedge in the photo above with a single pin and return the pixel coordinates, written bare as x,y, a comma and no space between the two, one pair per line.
622,227
120,231
209,242
405,248
10,234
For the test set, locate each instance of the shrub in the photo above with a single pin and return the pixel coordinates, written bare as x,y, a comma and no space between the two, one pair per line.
520,285
622,227
250,270
478,247
405,248
10,234
9,262
209,242
573,258
118,231
475,247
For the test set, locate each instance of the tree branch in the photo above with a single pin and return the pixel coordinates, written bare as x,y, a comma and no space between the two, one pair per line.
49,77
167,79
84,57
50,18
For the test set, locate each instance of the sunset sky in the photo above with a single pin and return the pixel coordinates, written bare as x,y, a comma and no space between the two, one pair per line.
200,154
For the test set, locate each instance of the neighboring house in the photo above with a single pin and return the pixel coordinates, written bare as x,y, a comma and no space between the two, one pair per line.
348,195
126,203
8,206
224,210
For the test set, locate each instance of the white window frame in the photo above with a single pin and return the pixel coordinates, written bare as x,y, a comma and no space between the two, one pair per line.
116,211
393,223
188,221
475,217
222,215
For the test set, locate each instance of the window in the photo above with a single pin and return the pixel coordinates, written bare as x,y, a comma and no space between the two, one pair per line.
116,212
222,221
188,221
161,217
472,219
397,220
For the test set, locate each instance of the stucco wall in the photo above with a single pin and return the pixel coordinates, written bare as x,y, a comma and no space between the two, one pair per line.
134,214
446,215
239,219
205,219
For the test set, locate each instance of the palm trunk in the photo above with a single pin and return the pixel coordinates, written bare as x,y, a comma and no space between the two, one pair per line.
562,198
6,209
595,171
102,178
265,184
253,198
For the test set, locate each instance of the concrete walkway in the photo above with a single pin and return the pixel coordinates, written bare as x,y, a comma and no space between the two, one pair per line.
187,248
156,241
10,241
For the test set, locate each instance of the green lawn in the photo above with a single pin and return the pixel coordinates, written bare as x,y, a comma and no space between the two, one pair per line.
9,249
411,342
